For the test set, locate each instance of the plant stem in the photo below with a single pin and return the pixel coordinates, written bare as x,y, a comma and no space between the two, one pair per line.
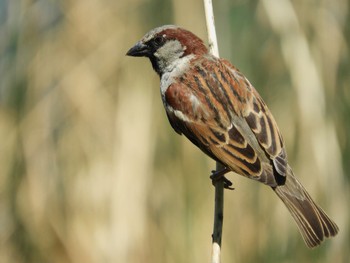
219,184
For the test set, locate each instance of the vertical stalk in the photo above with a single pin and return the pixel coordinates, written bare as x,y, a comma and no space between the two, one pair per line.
219,184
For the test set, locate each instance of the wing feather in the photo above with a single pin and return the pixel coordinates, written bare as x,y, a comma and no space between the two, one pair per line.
225,117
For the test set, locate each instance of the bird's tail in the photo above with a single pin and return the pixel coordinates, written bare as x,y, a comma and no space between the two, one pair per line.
313,223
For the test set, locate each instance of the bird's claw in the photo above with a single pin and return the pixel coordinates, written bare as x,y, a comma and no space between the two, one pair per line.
220,175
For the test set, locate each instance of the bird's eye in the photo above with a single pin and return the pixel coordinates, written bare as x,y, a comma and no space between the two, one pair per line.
158,41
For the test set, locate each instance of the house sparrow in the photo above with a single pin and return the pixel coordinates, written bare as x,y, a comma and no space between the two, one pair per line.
215,106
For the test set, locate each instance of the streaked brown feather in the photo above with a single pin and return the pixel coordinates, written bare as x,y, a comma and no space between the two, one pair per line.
224,91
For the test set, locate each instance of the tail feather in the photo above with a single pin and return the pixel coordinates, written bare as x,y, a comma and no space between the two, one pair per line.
313,223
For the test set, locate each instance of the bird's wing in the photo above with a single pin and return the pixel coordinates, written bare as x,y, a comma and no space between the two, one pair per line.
218,110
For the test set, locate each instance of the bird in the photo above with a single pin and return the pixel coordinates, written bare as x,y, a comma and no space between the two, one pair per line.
214,105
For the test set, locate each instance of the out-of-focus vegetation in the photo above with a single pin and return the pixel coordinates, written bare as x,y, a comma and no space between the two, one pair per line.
90,170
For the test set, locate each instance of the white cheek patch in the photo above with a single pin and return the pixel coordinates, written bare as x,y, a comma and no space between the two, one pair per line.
170,51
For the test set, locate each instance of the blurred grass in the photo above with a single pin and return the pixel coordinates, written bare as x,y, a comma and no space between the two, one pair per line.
90,170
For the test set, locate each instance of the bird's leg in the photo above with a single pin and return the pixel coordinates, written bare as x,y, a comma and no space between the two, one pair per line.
220,175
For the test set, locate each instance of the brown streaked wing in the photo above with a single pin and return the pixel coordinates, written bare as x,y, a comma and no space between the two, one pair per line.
190,117
220,97
209,124
260,121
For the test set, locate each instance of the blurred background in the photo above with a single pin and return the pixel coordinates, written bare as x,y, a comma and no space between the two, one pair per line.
90,169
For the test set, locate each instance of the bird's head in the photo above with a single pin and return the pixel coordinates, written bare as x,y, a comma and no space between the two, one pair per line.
166,45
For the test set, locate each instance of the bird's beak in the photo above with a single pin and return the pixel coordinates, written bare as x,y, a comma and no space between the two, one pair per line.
139,50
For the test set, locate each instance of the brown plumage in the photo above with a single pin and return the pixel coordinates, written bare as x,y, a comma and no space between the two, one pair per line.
213,104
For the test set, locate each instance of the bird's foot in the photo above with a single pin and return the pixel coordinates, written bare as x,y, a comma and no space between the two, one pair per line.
217,175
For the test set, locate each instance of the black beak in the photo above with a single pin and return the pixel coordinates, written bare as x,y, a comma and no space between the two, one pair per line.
139,50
